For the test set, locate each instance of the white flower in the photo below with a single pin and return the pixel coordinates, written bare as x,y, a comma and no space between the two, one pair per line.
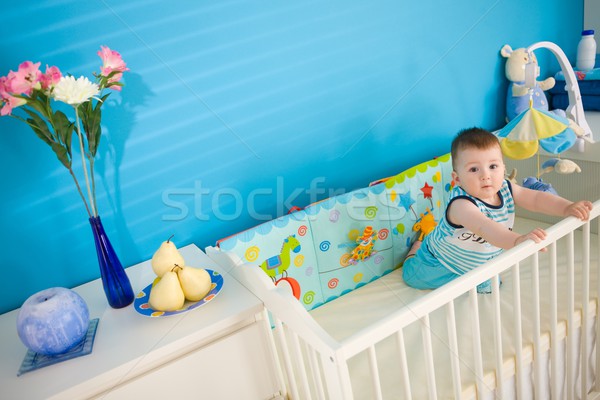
74,91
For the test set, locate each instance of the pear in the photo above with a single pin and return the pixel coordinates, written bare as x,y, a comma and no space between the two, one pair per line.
155,281
166,294
195,282
165,258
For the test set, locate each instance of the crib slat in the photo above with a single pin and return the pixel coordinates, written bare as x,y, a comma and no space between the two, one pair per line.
537,371
301,366
585,302
426,335
477,355
555,382
403,364
498,337
597,381
520,379
315,370
454,355
337,378
375,382
571,367
285,350
279,370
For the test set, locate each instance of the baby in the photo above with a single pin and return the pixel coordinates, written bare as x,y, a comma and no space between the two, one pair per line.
479,216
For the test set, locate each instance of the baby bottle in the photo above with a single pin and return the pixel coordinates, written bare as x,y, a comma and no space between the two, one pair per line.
586,51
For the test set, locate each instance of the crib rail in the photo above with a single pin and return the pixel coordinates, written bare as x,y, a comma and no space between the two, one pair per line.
316,365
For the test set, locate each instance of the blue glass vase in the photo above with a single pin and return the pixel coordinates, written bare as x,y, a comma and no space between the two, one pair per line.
114,279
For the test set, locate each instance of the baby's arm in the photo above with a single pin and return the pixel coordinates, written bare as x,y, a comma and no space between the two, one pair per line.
550,204
463,212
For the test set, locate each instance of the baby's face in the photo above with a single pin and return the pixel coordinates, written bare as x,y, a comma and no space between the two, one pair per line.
480,172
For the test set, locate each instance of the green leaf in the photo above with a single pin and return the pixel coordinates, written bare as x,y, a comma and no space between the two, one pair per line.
115,84
38,106
40,132
113,73
39,126
62,154
97,134
91,116
64,129
87,121
104,80
40,102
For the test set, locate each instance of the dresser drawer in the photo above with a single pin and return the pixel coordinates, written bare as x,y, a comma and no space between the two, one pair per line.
233,367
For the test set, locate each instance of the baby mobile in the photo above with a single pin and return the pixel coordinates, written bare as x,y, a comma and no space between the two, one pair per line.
534,126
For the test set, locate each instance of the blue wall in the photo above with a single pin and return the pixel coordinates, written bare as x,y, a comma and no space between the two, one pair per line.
235,110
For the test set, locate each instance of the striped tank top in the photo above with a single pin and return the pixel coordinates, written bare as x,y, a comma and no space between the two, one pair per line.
459,249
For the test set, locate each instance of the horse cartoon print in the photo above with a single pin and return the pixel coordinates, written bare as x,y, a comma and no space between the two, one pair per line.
278,265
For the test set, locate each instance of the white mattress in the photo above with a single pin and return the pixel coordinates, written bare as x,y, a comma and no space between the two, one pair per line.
350,313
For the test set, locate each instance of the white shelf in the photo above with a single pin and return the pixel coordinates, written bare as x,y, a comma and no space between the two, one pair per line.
129,345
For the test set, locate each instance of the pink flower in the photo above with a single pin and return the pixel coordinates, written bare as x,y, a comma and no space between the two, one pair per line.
10,103
25,79
112,61
7,101
3,89
50,78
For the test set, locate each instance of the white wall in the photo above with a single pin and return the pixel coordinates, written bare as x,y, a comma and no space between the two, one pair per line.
591,17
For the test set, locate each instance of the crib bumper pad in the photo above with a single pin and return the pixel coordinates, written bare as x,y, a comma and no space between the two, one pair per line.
310,250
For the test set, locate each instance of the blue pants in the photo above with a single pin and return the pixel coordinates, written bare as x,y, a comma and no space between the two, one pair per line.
424,271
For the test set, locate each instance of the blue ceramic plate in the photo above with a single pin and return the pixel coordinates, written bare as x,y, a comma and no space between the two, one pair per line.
141,300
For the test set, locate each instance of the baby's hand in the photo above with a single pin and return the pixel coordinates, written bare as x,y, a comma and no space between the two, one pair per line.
579,209
537,235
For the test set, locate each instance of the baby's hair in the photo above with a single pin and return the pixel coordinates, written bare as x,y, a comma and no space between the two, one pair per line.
469,138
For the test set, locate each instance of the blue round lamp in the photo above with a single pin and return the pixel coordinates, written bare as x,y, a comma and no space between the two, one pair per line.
53,321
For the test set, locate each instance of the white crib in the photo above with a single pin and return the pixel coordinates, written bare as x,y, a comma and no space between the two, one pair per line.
533,337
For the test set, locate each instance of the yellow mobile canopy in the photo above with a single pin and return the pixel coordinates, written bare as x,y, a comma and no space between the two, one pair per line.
521,137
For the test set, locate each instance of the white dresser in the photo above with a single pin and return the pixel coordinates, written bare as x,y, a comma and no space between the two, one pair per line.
217,351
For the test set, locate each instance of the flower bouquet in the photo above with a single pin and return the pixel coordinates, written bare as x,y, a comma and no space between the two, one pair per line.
38,99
